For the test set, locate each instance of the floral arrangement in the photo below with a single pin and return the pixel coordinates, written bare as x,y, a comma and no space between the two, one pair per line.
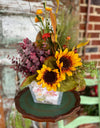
53,59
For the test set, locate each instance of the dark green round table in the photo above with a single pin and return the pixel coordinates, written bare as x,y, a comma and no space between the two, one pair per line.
46,112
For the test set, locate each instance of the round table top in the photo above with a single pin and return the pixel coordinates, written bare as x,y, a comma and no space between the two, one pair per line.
46,112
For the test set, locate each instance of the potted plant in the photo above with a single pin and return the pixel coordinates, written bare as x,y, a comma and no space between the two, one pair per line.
51,64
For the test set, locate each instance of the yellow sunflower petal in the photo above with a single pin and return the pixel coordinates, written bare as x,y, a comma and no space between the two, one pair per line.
48,87
58,85
44,66
72,68
39,83
61,65
38,71
56,70
37,78
69,73
77,64
60,51
43,85
65,51
49,69
69,53
63,76
54,88
57,54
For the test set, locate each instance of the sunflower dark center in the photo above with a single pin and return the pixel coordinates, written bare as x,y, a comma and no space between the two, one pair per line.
50,77
66,62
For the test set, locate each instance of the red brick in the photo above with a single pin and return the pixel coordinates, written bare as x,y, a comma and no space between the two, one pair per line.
93,35
96,42
94,18
82,26
86,57
81,1
91,9
98,10
90,27
84,9
97,27
95,56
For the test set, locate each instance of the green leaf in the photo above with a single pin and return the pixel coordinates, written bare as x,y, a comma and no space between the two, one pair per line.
75,82
67,85
44,4
81,86
28,80
39,18
50,62
80,82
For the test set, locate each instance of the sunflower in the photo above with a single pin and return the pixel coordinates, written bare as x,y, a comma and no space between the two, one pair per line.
67,61
49,78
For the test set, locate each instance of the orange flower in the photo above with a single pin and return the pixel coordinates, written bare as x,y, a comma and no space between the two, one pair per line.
68,37
39,11
37,20
48,9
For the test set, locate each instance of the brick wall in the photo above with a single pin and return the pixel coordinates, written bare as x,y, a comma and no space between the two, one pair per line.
93,32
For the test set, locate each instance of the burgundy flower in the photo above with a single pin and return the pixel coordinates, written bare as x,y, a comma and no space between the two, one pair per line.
31,58
64,46
42,59
96,90
75,50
